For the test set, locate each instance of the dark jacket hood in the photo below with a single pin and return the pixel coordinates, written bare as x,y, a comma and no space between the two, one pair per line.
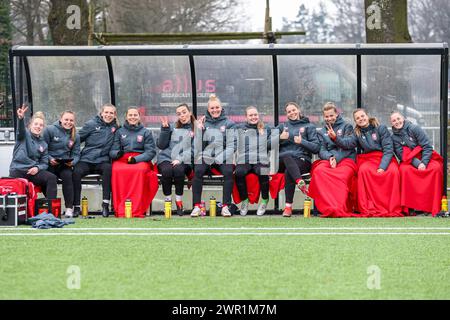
99,120
251,126
302,120
130,127
58,125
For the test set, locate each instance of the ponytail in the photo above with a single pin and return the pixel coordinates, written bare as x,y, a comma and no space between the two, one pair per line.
38,115
213,97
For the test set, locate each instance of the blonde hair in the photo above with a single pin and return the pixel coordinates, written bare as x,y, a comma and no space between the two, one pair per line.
73,131
110,105
372,121
38,115
260,124
212,98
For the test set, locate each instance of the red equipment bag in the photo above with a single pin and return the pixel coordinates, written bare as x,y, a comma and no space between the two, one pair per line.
20,186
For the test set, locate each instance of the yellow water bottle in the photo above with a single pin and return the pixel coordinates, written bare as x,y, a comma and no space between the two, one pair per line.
84,207
212,207
444,204
168,209
307,208
128,208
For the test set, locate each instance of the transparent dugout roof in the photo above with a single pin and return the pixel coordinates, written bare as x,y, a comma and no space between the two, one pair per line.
381,78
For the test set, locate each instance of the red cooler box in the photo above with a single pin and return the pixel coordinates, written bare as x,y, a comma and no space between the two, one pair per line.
52,206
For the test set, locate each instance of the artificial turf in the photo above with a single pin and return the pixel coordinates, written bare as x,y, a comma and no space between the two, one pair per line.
214,258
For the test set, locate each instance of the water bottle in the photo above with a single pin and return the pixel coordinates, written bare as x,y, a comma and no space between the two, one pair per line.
212,206
128,208
444,204
168,209
307,208
84,207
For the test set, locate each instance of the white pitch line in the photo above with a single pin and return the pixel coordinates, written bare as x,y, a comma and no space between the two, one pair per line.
223,234
230,228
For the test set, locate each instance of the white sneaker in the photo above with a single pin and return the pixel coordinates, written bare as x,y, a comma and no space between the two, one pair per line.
226,212
68,213
195,212
244,207
261,209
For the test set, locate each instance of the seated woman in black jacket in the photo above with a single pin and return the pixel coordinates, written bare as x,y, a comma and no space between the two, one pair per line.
64,153
421,168
30,155
253,139
132,175
175,160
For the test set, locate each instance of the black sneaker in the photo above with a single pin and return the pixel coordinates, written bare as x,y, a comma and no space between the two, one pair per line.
76,211
180,211
105,210
316,213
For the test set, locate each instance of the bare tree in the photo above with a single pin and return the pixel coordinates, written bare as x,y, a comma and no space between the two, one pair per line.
169,16
348,22
315,22
429,20
343,23
29,21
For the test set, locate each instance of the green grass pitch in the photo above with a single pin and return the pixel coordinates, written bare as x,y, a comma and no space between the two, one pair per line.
229,258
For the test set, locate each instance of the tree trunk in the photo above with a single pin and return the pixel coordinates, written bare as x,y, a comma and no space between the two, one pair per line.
29,22
386,21
39,28
58,19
